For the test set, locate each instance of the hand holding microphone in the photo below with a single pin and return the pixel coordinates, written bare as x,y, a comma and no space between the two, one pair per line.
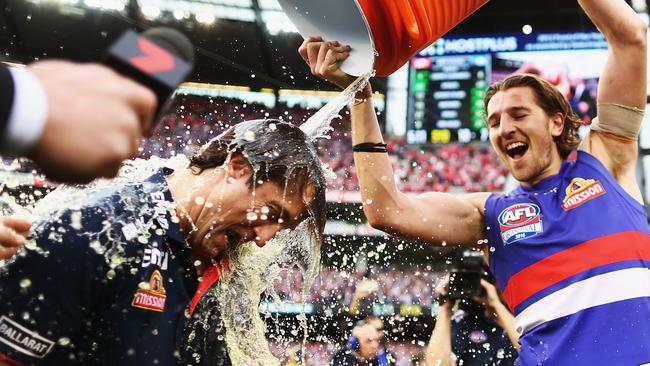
97,114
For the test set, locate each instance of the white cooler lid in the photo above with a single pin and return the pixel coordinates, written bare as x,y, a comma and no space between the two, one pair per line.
340,20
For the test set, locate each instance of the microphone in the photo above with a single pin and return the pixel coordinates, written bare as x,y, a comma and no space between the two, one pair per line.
160,59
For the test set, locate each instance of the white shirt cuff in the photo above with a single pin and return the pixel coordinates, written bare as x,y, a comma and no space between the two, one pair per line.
28,112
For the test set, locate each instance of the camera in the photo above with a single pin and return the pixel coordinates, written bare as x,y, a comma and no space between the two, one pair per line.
465,277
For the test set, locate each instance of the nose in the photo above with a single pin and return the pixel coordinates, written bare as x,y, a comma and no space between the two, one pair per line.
506,127
264,233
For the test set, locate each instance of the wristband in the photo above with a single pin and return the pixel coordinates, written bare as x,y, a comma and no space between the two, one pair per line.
370,147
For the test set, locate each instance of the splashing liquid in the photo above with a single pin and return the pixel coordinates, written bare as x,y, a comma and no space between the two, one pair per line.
253,270
74,197
318,125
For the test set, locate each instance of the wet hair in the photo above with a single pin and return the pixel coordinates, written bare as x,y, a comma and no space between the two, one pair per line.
549,98
278,152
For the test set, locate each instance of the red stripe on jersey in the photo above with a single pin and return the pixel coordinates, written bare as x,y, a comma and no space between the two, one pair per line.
211,274
11,360
628,245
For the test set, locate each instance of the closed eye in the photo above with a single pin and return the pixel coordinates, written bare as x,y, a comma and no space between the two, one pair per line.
519,117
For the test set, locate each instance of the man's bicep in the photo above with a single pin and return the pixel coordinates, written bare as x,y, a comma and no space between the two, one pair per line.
444,219
623,80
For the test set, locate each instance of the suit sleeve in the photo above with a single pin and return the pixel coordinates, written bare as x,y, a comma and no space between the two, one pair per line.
6,98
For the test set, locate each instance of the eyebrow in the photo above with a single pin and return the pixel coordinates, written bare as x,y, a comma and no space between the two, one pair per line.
509,110
517,108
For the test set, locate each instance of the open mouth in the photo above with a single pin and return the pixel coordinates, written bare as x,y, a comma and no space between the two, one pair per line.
516,150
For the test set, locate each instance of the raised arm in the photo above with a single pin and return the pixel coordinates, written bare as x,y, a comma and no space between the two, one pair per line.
621,90
435,218
623,80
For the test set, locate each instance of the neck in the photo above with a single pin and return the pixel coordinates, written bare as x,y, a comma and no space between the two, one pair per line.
550,170
188,193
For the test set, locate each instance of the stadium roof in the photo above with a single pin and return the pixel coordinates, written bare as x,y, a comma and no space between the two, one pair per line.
240,42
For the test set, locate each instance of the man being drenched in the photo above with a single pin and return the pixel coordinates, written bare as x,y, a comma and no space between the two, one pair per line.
105,280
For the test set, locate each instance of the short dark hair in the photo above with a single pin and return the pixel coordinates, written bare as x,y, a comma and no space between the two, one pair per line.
278,152
551,100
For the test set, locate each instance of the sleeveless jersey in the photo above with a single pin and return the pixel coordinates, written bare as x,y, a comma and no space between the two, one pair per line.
572,257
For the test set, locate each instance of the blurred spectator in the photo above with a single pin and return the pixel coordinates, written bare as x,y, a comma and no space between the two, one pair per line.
363,348
364,297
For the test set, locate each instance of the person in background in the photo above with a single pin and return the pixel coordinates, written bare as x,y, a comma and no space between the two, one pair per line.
479,331
363,348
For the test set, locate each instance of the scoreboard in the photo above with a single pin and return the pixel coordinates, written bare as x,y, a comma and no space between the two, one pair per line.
447,81
447,94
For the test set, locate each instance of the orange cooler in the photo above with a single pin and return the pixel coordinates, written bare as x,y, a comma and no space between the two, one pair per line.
384,34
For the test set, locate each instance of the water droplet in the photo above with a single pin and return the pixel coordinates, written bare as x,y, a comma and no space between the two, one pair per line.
63,341
251,216
97,247
249,136
144,286
272,127
197,263
110,274
199,200
25,283
75,220
492,249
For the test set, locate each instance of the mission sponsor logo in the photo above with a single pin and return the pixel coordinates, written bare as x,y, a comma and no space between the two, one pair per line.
520,221
151,295
23,340
581,190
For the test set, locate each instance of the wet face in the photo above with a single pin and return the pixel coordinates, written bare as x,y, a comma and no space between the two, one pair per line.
379,327
368,342
522,135
235,211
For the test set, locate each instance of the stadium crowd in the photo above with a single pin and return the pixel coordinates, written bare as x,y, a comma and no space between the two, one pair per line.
320,353
448,168
408,286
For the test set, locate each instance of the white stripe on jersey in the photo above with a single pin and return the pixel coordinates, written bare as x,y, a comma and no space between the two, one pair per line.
598,290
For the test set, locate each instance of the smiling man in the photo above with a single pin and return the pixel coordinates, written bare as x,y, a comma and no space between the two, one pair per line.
105,280
570,246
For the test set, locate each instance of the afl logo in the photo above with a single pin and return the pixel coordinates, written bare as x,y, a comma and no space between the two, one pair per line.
520,221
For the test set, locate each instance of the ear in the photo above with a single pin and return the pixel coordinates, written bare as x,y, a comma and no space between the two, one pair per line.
557,124
239,167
